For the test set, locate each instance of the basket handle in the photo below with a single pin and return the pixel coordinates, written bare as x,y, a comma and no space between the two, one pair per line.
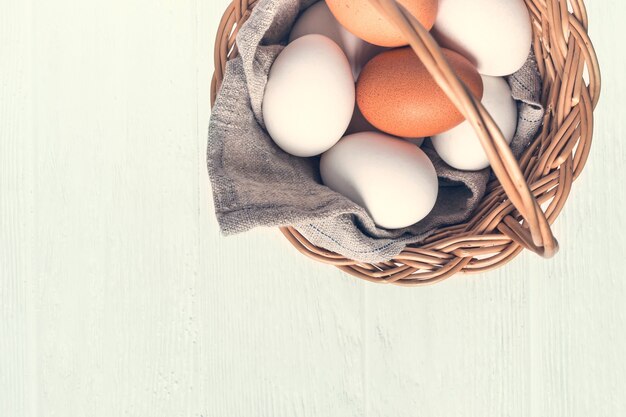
536,234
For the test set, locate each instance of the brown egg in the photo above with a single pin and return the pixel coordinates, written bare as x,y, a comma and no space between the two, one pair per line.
363,19
397,94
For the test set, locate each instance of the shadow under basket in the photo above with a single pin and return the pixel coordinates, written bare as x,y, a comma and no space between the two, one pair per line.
527,195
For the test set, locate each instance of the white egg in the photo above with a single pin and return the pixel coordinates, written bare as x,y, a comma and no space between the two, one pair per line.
318,19
390,178
495,34
309,97
460,147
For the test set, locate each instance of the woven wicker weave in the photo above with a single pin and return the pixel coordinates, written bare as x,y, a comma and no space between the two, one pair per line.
526,198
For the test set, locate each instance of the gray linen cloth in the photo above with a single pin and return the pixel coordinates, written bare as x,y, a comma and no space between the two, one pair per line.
256,184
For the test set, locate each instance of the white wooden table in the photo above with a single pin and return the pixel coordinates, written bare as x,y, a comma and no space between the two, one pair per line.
118,296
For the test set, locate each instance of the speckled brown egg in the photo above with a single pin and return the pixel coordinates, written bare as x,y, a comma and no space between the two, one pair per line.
397,94
363,19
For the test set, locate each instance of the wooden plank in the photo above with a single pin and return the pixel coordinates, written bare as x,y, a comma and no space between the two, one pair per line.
458,348
18,340
280,334
117,197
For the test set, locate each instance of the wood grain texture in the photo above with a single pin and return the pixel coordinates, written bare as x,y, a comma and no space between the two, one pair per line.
115,221
18,354
118,296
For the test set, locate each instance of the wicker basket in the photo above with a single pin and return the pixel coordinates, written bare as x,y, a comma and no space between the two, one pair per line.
510,216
